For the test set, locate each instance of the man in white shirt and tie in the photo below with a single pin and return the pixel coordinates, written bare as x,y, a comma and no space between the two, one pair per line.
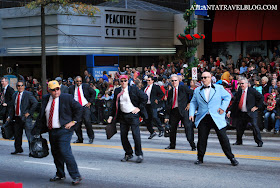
244,110
155,95
127,103
85,95
22,107
58,116
177,108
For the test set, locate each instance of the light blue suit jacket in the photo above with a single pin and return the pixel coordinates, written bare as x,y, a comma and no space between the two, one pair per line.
219,98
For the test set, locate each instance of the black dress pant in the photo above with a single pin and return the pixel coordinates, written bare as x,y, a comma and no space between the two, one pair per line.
18,128
203,131
241,125
87,121
62,152
153,119
175,118
128,120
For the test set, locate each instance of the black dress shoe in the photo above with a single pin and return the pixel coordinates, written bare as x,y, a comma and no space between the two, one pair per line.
77,180
16,152
237,143
160,134
77,141
139,159
152,135
198,162
260,144
193,148
170,147
57,178
126,158
90,141
234,162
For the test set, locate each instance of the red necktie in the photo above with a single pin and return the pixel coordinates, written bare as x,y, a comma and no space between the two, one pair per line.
117,102
147,89
50,121
18,103
175,98
241,100
80,97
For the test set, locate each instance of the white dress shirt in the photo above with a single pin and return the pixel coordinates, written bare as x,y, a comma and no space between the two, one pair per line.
19,104
55,123
176,102
126,105
148,92
5,88
244,108
84,100
207,93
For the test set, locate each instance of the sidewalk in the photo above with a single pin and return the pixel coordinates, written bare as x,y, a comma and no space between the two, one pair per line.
182,130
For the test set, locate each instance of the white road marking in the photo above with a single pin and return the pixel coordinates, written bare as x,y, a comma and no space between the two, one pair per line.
33,162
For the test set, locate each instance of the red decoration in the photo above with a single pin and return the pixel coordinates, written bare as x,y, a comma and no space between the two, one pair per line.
197,36
189,37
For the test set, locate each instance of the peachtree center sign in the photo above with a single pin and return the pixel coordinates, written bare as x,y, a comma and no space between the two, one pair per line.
120,25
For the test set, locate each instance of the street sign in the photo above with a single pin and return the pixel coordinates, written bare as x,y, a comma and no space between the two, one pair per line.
194,73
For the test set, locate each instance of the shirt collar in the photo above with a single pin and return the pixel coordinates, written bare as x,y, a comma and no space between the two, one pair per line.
246,90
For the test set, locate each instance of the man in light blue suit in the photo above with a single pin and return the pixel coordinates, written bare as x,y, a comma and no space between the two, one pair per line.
211,102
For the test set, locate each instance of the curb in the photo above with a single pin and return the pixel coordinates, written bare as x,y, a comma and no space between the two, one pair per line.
182,130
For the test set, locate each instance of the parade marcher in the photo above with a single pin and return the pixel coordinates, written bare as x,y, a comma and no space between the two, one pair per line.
63,88
177,110
155,95
23,105
85,95
6,97
58,115
245,109
129,102
211,102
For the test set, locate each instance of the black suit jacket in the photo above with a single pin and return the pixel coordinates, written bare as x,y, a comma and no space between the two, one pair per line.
69,110
8,95
28,104
184,94
156,94
89,93
138,99
254,98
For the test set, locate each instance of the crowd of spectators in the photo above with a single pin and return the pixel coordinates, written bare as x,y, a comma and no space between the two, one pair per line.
261,72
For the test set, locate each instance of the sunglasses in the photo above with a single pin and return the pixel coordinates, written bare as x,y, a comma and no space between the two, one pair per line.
56,89
19,85
174,80
242,83
123,81
149,80
204,77
78,81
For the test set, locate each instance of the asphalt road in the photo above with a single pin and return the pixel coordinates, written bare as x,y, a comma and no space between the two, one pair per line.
99,164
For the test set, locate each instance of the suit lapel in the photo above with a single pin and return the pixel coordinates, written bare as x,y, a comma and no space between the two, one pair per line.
201,93
22,99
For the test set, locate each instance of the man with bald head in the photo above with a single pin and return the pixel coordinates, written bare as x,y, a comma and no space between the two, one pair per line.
210,101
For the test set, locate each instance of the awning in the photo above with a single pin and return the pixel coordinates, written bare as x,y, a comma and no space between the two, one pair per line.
255,25
249,26
271,26
224,27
